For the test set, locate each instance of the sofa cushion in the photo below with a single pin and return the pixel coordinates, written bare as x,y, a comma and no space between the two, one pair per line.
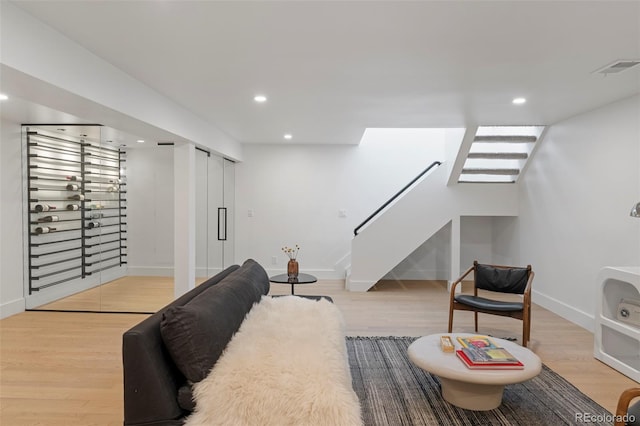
251,280
196,333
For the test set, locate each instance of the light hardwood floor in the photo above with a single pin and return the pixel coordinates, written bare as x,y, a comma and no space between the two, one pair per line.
128,294
60,368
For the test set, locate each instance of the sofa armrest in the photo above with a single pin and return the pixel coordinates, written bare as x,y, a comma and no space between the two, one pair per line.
151,380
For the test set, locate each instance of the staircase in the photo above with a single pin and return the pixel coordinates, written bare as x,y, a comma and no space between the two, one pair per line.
492,156
497,154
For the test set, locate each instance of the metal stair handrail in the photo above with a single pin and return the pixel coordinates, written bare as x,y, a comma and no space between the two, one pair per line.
392,199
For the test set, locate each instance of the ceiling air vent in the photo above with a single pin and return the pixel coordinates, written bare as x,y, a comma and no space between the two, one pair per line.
618,66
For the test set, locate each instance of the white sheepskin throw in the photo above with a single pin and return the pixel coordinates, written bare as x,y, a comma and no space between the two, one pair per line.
286,365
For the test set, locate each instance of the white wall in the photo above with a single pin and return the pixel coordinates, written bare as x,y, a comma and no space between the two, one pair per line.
574,208
150,211
504,248
296,193
11,229
476,241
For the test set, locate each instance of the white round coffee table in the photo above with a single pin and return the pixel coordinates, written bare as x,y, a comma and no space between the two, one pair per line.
465,388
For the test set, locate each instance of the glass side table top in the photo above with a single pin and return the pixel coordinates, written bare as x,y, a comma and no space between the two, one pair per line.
300,279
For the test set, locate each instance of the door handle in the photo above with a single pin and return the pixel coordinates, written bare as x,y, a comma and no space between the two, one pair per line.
222,224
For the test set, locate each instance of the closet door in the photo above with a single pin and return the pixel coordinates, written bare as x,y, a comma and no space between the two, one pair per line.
215,198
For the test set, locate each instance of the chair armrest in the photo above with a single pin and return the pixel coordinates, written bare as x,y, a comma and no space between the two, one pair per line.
623,404
459,280
527,289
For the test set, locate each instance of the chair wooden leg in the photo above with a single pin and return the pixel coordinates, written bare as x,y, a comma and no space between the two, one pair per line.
450,318
475,317
526,328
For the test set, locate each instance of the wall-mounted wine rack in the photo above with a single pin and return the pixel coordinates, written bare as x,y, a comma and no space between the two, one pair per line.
77,208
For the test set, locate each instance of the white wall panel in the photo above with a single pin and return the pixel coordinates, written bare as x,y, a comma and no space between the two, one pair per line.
575,202
11,225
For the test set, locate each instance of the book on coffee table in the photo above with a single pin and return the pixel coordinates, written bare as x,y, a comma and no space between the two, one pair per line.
517,365
489,355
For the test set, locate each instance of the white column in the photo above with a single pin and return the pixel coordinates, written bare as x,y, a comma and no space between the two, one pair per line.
455,251
184,180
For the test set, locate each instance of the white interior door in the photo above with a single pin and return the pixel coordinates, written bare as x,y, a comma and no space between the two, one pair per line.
215,197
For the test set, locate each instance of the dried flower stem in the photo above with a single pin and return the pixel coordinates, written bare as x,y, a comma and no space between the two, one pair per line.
292,253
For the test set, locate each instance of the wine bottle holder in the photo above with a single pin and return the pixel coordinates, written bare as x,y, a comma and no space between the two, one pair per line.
76,193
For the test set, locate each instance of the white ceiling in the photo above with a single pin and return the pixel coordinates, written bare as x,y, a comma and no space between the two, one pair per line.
333,68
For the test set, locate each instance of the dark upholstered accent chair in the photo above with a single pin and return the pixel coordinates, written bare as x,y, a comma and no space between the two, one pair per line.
497,279
627,413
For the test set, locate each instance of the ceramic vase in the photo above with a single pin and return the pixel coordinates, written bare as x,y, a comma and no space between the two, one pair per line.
292,268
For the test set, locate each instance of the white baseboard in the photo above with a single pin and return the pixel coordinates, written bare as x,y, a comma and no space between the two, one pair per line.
207,272
11,308
360,286
418,275
167,271
567,312
150,271
343,265
51,294
321,274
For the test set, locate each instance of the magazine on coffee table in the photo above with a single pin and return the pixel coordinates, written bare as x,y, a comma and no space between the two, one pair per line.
477,341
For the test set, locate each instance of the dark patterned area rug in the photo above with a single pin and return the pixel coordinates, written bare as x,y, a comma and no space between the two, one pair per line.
393,391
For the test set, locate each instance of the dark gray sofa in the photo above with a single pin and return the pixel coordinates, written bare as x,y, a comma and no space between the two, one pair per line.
175,347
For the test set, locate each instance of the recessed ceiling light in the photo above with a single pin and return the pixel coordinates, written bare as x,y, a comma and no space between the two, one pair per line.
288,136
519,101
140,141
260,98
3,97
